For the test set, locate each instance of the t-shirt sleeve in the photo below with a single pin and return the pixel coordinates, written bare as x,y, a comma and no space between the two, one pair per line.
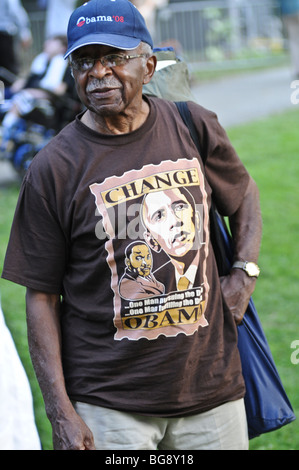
37,251
226,174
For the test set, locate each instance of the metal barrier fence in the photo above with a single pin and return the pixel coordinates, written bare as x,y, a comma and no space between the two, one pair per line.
206,32
221,31
37,22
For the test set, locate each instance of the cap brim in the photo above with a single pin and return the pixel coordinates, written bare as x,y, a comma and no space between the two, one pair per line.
112,40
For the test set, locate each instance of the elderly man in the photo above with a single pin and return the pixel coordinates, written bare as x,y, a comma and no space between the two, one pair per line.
131,374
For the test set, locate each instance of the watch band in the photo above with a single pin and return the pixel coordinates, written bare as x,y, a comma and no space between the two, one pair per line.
251,269
240,265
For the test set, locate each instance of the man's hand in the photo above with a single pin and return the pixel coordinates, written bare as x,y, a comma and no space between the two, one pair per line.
237,289
72,434
246,228
44,337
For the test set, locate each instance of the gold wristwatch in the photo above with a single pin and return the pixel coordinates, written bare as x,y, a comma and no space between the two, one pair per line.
250,268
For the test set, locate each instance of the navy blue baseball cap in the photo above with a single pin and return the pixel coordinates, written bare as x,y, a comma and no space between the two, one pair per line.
115,23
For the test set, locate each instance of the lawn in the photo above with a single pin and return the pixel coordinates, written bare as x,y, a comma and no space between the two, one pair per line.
269,148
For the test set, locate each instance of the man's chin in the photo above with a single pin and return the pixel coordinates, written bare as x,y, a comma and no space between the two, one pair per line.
144,273
105,107
183,249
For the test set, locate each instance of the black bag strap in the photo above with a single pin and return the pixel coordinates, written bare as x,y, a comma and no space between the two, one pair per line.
215,232
187,118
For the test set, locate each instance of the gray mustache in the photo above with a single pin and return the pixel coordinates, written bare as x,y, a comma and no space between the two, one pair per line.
102,85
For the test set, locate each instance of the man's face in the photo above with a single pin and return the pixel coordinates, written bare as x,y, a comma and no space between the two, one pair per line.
169,218
140,260
109,91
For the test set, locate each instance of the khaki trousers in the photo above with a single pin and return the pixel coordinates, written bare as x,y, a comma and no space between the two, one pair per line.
223,428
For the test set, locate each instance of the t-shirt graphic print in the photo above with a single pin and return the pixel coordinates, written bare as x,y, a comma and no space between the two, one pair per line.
155,222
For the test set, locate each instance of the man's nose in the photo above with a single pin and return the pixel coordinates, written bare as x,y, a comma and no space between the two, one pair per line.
174,221
99,70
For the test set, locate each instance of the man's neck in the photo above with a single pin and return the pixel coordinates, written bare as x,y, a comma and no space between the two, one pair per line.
122,123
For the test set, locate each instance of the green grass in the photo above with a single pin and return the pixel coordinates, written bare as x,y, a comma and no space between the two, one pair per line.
269,148
13,306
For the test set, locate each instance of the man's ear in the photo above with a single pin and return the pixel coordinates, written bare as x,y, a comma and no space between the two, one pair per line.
151,242
150,69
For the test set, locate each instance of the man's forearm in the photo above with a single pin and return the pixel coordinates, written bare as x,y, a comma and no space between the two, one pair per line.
246,226
44,339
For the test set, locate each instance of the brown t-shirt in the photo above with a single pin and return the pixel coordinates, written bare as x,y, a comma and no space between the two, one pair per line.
118,225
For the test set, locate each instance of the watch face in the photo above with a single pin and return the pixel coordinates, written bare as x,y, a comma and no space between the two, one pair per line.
252,269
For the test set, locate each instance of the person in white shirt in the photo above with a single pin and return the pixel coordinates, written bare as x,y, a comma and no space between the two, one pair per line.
18,430
45,81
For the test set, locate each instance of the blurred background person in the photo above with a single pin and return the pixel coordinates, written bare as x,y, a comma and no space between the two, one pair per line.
17,424
47,69
46,79
14,24
37,97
